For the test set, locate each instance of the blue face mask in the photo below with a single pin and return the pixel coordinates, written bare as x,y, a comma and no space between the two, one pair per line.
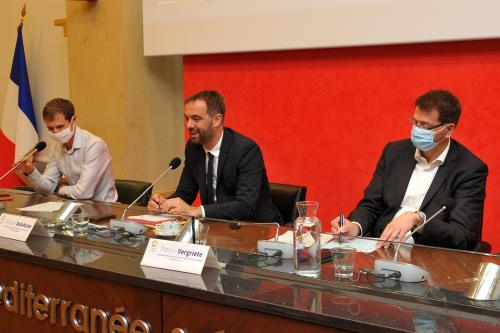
423,139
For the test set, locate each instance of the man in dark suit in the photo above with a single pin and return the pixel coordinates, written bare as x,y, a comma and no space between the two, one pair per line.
225,167
415,178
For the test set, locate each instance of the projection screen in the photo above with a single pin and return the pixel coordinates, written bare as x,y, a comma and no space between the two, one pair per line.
215,26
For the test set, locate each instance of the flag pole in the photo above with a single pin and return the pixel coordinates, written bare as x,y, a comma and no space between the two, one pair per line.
23,14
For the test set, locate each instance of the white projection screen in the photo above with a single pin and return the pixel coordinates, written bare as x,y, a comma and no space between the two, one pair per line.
173,27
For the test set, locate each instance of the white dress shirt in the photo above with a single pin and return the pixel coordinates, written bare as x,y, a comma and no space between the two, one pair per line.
420,181
215,151
421,178
86,166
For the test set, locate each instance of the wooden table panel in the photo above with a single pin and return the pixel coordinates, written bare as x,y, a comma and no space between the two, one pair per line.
196,316
137,303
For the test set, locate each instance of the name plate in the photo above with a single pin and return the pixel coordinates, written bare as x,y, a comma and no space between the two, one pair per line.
182,257
16,226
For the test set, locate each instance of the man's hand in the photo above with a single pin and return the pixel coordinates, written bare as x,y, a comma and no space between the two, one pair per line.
63,181
349,228
155,202
26,167
178,206
397,229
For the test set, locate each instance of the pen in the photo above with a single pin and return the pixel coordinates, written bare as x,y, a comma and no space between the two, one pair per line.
341,224
193,229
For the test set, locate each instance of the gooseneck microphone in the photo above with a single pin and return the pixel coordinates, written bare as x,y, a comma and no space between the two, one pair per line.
408,272
37,148
447,204
174,164
133,227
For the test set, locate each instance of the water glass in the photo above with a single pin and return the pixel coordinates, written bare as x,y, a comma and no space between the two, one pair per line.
170,228
80,224
343,261
202,234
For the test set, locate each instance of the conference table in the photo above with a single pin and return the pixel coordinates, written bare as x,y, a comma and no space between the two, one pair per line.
96,283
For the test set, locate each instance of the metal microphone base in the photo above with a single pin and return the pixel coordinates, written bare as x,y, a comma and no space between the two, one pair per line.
409,272
270,248
129,226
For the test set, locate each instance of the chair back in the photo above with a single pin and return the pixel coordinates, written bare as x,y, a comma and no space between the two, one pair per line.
480,245
24,188
129,190
285,197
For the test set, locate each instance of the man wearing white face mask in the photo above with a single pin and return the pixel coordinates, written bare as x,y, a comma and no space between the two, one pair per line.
415,177
81,157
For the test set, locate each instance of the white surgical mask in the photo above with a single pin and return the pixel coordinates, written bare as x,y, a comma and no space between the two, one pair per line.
65,135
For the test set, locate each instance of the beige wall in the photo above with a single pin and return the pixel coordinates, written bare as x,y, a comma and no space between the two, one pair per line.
46,52
134,103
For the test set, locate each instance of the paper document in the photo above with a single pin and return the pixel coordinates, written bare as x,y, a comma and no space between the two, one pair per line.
51,206
360,244
151,218
287,238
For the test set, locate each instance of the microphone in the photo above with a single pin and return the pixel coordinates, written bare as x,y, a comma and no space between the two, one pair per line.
174,163
271,248
37,148
409,272
137,228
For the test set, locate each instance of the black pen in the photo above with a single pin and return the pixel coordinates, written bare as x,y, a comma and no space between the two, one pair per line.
341,224
193,229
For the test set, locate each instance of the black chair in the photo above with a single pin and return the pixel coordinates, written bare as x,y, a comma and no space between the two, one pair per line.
285,197
24,188
129,190
481,246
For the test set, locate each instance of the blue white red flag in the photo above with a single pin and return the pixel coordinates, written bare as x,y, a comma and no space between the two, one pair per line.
18,130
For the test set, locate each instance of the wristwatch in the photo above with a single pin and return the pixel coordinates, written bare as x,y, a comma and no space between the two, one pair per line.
423,217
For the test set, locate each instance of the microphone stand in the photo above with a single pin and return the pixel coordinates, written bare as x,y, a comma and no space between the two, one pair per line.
395,258
18,163
405,272
133,227
146,190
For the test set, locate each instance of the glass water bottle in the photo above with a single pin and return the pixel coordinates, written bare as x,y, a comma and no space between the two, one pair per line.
306,241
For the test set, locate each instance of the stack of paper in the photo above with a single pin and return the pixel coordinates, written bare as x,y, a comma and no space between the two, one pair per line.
51,206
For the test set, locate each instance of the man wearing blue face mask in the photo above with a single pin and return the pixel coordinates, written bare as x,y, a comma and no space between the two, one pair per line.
415,177
81,157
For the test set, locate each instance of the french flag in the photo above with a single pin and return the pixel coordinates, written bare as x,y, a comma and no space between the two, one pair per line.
18,131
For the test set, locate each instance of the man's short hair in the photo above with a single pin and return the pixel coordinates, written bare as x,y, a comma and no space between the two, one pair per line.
58,105
444,102
214,100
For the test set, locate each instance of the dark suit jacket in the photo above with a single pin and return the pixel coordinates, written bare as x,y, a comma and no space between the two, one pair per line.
242,186
462,177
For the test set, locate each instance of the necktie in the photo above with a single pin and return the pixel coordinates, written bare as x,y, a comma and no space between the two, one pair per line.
210,179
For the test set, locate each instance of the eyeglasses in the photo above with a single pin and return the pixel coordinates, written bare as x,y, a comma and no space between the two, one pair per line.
422,125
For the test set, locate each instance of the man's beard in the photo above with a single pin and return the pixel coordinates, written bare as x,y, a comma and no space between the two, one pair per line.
203,136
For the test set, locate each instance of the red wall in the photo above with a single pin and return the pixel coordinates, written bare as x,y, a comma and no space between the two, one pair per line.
322,117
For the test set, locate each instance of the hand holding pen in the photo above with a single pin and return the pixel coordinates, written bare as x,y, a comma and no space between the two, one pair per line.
347,228
155,202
